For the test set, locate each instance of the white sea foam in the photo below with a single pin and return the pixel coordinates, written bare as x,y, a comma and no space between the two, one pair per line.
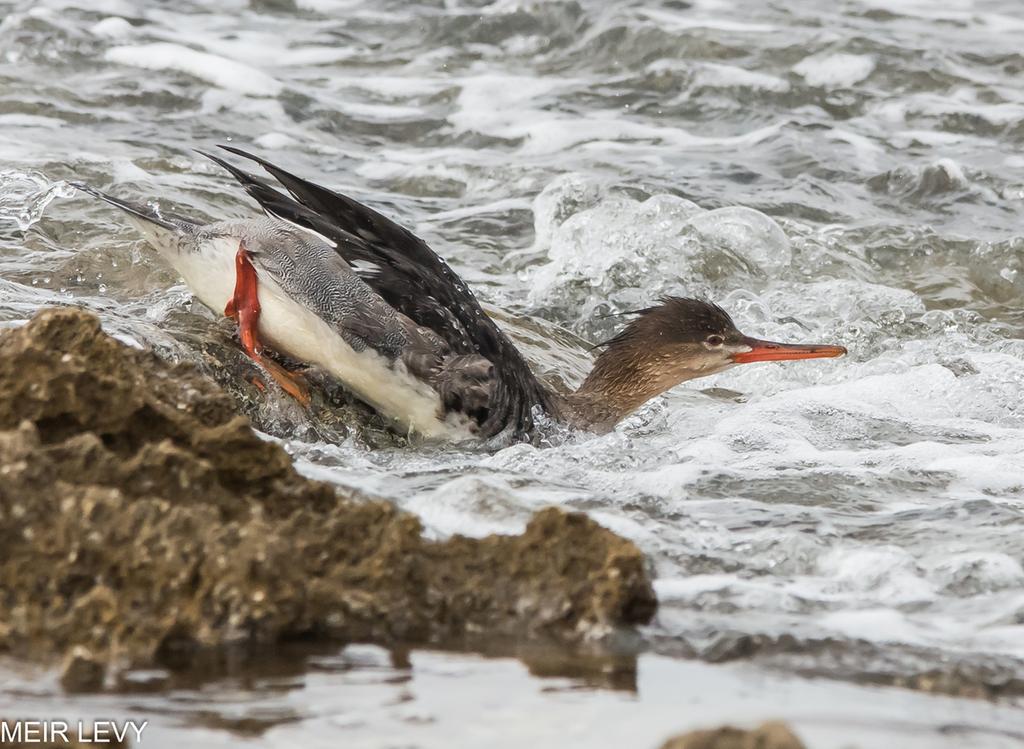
728,76
213,69
112,27
215,100
275,140
959,102
887,574
328,6
716,75
44,8
472,506
683,22
615,246
835,70
508,106
975,572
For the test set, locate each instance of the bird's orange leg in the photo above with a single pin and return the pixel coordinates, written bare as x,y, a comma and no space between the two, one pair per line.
244,307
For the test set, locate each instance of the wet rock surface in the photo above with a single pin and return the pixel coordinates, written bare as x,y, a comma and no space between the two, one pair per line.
82,671
771,735
143,521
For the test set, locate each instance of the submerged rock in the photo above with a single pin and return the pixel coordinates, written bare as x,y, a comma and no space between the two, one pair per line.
772,735
82,671
142,519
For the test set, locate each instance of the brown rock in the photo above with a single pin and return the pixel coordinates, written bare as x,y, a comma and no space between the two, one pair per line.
82,671
772,735
140,517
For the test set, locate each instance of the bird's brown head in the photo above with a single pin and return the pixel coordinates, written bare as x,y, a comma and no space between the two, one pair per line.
678,340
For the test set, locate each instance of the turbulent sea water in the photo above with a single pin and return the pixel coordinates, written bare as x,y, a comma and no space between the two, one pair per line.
834,541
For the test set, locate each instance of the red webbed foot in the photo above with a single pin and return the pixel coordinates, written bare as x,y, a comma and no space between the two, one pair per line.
244,307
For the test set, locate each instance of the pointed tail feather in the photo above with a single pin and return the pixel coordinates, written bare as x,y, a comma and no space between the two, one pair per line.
273,202
141,212
348,214
242,176
167,233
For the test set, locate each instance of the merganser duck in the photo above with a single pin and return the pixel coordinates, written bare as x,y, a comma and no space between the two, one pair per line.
327,281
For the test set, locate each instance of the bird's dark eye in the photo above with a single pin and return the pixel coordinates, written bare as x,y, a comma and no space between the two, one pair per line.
714,340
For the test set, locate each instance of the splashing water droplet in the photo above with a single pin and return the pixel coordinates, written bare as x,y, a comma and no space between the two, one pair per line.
25,195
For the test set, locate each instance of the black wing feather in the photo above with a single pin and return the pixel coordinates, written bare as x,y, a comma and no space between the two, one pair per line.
410,277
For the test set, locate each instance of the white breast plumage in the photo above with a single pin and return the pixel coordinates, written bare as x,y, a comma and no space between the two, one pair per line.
296,331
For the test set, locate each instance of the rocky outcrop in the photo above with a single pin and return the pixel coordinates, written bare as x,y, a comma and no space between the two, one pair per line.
772,735
142,519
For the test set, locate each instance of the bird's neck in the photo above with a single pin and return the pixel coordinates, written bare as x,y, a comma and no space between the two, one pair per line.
622,380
